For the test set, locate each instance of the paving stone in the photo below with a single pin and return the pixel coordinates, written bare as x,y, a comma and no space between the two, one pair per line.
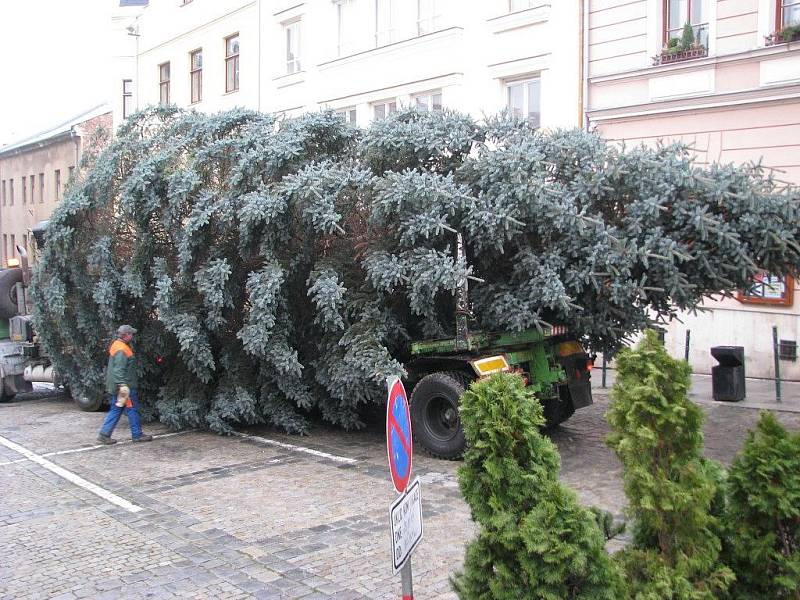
227,518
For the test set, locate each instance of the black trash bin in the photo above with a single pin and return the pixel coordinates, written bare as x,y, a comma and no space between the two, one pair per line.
727,378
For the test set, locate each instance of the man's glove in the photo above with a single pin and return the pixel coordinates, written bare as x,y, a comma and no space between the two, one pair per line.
123,393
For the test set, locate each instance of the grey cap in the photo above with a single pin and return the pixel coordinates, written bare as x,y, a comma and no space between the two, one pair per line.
125,329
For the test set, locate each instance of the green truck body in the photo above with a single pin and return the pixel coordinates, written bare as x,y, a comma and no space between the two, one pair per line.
554,365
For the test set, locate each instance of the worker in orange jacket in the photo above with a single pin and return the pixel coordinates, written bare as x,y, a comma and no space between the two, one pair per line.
121,383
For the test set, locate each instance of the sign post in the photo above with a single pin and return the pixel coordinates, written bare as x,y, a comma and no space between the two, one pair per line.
405,515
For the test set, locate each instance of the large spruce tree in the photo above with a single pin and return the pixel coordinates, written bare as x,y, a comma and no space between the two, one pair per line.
281,266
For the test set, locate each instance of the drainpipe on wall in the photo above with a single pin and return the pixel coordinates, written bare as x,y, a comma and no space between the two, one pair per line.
258,95
76,138
584,67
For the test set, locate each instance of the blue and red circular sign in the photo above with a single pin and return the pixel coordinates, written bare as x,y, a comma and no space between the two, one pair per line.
398,435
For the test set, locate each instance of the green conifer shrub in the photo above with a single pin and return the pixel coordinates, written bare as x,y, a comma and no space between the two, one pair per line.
763,514
672,490
280,267
687,37
534,538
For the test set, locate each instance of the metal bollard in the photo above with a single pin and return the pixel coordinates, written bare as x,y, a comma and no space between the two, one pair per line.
776,355
686,349
603,380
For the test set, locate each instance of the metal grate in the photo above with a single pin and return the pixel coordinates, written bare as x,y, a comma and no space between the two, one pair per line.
787,350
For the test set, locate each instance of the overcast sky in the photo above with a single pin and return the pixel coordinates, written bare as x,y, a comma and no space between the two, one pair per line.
53,62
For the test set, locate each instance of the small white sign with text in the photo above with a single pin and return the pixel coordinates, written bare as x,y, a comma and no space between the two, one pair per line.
405,518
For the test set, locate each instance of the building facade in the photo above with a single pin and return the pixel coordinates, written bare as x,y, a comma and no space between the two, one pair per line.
729,85
364,58
34,172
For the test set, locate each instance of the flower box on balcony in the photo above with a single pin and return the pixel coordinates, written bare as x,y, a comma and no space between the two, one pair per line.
668,57
785,35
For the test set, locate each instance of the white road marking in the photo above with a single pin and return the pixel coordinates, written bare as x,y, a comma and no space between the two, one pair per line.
71,477
85,448
293,448
13,462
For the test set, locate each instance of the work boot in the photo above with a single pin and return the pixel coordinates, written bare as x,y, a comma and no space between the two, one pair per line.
145,437
106,439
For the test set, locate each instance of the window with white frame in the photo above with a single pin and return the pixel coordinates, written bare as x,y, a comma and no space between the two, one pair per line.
345,27
428,101
196,75
232,63
525,99
292,35
428,16
127,98
679,13
381,110
386,21
348,114
517,5
163,83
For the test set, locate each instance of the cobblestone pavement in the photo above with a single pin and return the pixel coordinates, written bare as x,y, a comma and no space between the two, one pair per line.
261,516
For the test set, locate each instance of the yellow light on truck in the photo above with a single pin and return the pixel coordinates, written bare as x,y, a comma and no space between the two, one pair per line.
568,348
489,365
13,262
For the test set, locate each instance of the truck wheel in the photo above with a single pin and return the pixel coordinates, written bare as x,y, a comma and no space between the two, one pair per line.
556,412
88,404
434,413
8,292
15,384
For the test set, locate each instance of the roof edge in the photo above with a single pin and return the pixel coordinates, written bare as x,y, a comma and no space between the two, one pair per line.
53,134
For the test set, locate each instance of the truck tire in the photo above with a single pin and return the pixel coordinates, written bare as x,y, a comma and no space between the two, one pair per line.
8,294
15,384
88,404
557,411
434,413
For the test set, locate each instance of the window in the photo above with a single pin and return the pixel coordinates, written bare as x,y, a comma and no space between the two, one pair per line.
787,13
58,184
4,192
515,5
33,189
292,33
41,188
428,17
5,247
24,189
163,83
525,100
385,32
679,12
428,101
384,109
345,27
232,63
127,98
11,192
348,114
13,245
768,289
196,75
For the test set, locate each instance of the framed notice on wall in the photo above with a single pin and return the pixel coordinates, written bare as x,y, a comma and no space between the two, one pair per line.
768,289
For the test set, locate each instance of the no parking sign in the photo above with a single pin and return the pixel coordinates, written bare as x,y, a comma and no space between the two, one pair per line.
405,515
398,436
